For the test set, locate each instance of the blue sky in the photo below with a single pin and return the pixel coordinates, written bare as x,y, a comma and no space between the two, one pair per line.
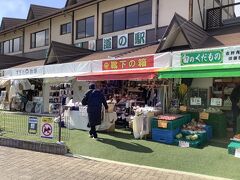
19,8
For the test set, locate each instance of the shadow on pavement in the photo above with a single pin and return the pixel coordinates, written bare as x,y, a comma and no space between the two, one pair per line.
126,146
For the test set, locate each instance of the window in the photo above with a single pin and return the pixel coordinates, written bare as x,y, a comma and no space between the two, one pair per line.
6,47
13,45
128,17
132,16
119,19
145,13
17,44
66,28
40,39
108,22
85,28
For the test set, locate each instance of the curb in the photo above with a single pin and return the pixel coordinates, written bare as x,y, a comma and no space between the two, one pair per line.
148,167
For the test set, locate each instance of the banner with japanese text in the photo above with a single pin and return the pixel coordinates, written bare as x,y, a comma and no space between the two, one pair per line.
206,57
130,63
137,63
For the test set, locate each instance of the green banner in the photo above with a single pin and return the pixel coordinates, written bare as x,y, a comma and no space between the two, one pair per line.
202,57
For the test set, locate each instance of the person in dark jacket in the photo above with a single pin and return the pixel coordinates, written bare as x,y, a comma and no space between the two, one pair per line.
94,99
235,97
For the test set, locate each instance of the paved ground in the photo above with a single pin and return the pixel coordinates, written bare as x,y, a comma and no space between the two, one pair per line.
21,164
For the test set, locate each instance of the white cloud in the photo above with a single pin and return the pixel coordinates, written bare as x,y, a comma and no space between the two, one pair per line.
14,8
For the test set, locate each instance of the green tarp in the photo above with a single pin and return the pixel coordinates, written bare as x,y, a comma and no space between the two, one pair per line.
232,70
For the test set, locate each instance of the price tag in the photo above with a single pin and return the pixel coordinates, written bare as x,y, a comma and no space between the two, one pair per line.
162,124
183,108
204,116
237,153
184,144
196,101
216,101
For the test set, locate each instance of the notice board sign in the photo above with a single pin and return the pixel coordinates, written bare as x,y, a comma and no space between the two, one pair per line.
32,125
184,144
47,127
195,101
216,102
237,153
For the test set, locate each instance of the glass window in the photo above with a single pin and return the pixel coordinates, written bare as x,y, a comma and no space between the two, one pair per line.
10,45
47,37
40,39
119,19
132,16
145,13
128,17
6,47
66,28
90,27
81,26
16,45
108,22
1,48
85,28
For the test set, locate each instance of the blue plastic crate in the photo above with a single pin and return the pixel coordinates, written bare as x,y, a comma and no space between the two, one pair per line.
208,129
164,135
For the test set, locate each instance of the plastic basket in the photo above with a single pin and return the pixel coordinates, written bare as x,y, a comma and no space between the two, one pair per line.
171,125
232,147
164,136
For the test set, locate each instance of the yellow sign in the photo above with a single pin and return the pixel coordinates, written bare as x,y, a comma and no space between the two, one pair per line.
162,124
204,116
183,108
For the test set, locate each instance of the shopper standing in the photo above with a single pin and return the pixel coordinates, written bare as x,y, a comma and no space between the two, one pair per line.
235,97
94,99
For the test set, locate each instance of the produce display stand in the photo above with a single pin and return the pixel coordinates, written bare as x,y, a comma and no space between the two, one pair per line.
218,122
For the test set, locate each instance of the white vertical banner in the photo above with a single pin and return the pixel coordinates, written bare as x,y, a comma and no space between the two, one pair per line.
122,41
92,45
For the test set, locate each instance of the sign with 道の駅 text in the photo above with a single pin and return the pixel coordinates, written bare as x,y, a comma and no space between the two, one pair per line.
122,41
107,43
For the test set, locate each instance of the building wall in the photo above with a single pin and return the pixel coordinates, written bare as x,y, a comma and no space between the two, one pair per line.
32,29
56,29
167,9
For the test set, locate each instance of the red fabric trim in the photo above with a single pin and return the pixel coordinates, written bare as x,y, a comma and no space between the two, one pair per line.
114,76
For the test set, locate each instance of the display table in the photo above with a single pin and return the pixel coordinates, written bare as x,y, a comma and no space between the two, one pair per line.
79,120
217,121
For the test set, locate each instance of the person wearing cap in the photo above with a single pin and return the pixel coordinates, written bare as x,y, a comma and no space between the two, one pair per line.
94,100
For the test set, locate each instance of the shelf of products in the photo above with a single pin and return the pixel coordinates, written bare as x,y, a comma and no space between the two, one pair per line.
58,95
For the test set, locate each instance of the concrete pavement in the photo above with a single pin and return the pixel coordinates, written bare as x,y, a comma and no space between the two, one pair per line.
25,165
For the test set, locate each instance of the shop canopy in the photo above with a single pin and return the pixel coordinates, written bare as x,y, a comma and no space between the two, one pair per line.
48,71
132,68
205,63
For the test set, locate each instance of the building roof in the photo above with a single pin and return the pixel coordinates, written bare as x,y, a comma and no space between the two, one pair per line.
37,11
193,35
11,22
31,64
7,61
78,2
121,53
63,53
